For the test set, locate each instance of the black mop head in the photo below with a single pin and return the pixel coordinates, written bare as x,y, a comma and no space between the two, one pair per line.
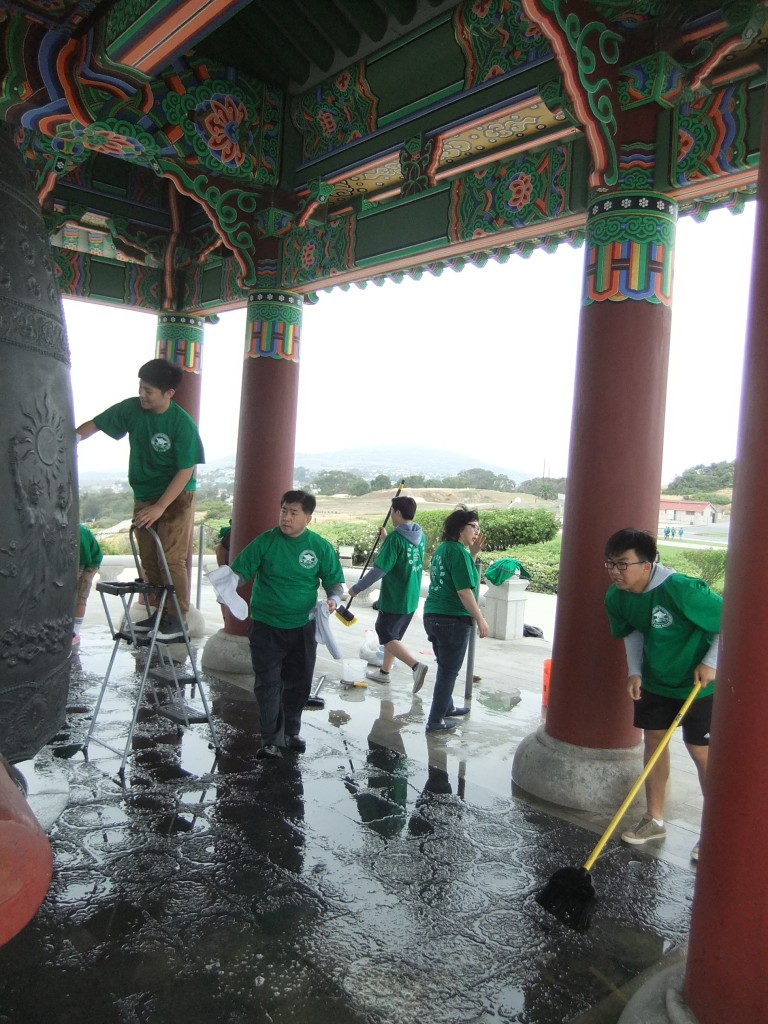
570,897
345,615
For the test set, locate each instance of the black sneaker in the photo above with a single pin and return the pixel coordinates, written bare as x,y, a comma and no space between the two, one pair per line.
269,752
296,743
145,625
171,630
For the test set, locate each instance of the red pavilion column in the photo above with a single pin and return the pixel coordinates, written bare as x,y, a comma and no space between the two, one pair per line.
268,406
587,753
725,978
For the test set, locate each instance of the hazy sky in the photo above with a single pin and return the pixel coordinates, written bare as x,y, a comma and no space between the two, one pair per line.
480,362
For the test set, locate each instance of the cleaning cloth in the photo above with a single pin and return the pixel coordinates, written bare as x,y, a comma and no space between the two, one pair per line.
323,631
225,582
503,569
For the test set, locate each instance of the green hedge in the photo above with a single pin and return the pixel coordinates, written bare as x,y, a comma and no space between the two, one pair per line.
707,564
506,528
360,535
542,561
503,528
521,529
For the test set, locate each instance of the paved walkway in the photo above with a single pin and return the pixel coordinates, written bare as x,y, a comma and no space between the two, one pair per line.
381,877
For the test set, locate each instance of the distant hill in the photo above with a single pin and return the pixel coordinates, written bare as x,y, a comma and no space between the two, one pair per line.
395,459
103,479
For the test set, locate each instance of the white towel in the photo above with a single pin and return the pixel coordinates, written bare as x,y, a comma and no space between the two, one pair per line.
323,631
225,582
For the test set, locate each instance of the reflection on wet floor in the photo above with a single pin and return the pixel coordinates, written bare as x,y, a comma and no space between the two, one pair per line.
353,884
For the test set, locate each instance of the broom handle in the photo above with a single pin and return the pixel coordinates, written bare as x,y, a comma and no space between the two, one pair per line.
375,543
588,864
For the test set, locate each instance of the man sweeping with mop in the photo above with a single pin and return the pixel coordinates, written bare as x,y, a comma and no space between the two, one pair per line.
670,624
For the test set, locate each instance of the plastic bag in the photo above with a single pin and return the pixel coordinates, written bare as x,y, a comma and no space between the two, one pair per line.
372,651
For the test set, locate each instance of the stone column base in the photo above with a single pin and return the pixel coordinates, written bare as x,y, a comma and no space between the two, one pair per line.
195,622
660,1000
580,778
226,652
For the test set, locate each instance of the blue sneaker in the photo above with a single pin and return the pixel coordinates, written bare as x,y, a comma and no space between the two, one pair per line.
442,727
456,712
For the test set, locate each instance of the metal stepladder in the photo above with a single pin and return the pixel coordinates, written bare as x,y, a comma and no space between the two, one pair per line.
176,710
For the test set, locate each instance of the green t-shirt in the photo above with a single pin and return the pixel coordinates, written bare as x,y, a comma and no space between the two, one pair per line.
286,573
451,569
90,553
678,620
161,445
401,561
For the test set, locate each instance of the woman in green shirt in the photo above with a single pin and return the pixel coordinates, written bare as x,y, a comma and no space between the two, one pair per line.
450,607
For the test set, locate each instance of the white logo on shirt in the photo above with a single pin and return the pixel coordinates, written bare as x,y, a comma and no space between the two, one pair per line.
308,559
661,618
161,442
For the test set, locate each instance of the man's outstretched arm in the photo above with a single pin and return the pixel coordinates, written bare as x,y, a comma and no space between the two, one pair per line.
87,429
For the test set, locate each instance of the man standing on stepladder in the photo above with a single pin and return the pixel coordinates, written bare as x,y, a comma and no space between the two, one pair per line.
165,449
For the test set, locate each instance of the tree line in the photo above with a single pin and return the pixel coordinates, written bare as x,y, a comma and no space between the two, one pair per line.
701,481
337,481
111,506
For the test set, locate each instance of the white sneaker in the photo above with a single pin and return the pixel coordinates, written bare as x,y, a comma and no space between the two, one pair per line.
419,674
645,831
378,676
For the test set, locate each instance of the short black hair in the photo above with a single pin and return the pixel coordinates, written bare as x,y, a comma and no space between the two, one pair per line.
161,373
630,539
405,506
307,501
457,520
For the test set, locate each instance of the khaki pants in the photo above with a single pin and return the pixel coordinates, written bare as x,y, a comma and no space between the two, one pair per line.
84,583
174,528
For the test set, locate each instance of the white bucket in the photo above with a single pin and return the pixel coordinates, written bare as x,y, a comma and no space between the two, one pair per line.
353,670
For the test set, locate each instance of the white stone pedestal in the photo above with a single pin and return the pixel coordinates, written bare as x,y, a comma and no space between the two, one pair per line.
505,609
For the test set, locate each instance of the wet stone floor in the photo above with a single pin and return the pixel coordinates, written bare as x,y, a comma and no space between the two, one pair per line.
351,884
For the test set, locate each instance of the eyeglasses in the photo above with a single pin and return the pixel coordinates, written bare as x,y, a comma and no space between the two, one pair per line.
621,566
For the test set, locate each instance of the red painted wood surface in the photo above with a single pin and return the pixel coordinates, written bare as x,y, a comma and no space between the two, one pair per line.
26,860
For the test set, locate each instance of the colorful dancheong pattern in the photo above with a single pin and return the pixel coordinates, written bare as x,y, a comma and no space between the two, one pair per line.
180,341
630,246
274,326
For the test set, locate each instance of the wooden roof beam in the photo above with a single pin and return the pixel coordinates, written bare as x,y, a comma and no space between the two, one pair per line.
162,32
331,20
369,17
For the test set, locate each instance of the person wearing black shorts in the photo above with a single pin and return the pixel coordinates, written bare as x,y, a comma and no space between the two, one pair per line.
399,567
670,624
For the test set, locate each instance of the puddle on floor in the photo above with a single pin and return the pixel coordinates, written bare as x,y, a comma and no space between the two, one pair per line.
359,883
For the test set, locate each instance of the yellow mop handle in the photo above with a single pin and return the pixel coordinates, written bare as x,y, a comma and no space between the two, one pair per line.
588,864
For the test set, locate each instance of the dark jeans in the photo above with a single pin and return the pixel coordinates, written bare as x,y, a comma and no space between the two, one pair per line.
449,636
283,662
